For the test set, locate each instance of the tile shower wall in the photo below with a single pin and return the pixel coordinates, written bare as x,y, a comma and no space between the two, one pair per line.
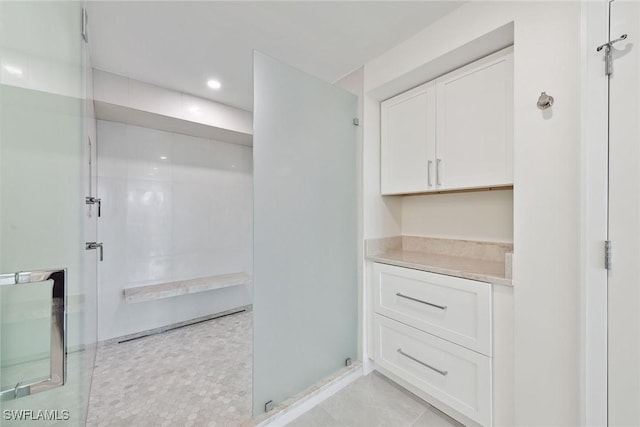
173,207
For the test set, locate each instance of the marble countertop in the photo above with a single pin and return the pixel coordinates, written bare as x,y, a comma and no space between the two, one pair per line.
482,261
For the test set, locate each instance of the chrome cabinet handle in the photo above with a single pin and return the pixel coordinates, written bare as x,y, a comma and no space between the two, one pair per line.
438,166
429,163
441,307
96,245
426,365
58,365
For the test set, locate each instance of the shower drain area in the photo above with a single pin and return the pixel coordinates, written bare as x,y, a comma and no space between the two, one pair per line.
197,375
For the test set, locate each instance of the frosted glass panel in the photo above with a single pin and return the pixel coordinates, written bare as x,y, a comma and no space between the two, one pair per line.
305,231
42,209
25,314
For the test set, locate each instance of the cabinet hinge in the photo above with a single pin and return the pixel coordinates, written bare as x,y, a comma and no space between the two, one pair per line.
607,255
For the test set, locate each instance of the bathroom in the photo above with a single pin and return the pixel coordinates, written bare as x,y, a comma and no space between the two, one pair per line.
198,238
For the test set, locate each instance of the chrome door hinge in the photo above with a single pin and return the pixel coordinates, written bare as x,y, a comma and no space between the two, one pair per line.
95,245
608,54
94,201
607,255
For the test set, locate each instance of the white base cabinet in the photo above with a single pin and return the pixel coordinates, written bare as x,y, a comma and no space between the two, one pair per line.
434,334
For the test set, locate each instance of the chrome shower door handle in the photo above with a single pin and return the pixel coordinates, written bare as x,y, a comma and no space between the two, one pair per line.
96,245
58,364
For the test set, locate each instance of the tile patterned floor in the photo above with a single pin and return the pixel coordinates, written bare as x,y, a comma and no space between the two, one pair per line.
373,401
198,375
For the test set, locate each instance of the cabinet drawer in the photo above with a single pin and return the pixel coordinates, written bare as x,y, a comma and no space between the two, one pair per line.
455,376
458,310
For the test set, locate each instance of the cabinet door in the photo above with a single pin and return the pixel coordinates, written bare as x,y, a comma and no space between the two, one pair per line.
408,141
475,124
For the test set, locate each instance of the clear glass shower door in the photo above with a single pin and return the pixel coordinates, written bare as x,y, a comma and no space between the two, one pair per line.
46,348
624,217
305,231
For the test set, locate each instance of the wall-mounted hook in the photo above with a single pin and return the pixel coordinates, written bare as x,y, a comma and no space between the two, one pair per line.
545,101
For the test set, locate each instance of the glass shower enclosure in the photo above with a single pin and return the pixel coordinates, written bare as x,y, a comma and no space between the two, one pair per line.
305,231
47,299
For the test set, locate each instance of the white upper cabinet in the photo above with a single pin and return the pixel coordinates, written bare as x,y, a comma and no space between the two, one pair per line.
408,141
461,138
474,127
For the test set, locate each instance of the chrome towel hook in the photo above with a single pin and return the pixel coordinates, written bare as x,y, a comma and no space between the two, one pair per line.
545,101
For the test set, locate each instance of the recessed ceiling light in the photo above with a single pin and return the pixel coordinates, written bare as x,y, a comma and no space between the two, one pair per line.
214,84
163,157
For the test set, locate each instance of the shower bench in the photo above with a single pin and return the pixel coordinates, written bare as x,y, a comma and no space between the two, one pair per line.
184,287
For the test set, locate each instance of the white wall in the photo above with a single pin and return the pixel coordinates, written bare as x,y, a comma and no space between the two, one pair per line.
482,215
382,215
121,99
186,216
123,91
546,163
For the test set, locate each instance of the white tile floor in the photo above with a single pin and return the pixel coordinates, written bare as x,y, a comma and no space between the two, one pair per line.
200,375
373,401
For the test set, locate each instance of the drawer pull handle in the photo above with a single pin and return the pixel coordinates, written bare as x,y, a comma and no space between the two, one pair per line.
441,307
441,372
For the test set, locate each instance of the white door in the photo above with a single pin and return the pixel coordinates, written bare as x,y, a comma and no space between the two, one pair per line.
624,217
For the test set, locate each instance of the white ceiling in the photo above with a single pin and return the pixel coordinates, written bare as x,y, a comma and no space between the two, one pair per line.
180,44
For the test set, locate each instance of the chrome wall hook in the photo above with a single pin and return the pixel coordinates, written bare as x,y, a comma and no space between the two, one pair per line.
545,101
611,43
